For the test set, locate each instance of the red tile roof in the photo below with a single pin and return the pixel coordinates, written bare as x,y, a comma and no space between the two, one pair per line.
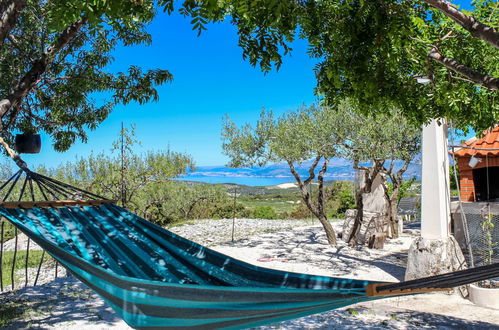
489,141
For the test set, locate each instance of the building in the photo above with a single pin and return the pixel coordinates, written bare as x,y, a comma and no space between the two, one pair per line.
479,168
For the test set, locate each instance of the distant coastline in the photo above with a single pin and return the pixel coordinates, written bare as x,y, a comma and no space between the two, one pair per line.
242,180
274,174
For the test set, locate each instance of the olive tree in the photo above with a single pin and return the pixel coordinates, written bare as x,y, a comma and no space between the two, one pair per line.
379,145
307,134
313,136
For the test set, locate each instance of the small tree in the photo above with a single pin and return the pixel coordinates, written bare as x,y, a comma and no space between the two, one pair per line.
375,146
124,174
308,135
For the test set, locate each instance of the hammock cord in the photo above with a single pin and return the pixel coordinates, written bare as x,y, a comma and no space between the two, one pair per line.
447,280
46,186
464,219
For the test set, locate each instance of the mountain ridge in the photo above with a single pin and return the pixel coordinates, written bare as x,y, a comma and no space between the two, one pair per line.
339,169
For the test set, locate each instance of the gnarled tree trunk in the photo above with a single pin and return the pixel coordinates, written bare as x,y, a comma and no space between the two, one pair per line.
317,210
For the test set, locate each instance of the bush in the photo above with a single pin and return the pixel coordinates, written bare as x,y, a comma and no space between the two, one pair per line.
226,211
8,230
340,198
301,211
264,212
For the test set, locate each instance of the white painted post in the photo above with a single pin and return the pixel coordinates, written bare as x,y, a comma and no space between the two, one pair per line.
435,190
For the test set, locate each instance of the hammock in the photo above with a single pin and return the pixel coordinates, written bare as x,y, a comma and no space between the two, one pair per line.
155,279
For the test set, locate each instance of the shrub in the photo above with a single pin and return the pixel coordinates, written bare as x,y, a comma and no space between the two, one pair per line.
264,212
301,211
340,198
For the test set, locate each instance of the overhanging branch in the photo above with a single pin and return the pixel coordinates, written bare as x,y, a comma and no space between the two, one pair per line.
38,68
469,23
473,75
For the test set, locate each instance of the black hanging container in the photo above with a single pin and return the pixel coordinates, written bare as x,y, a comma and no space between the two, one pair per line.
28,143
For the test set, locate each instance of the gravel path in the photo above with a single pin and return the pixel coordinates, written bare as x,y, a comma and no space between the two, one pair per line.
290,245
214,232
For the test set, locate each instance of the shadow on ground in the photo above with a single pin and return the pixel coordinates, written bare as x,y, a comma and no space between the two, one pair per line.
57,304
309,246
358,317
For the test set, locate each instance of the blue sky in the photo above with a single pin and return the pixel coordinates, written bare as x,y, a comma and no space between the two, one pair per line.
210,80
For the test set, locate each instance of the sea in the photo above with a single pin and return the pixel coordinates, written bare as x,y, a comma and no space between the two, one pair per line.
242,180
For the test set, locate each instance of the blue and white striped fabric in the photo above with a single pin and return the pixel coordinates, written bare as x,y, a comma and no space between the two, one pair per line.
155,279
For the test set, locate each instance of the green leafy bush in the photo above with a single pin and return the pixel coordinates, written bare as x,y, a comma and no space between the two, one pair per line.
301,211
264,212
340,197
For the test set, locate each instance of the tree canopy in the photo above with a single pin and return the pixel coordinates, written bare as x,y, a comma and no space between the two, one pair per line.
372,51
314,135
54,57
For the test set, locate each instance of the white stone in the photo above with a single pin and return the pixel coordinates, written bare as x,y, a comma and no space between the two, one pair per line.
428,257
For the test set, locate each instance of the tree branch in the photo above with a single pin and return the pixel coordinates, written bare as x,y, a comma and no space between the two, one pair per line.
473,75
320,178
303,189
38,67
477,29
311,170
9,13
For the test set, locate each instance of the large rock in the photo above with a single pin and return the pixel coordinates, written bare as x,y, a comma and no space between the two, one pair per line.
375,201
428,257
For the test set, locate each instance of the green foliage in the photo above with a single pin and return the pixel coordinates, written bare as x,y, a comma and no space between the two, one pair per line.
406,188
371,52
9,311
301,211
340,198
488,227
71,91
226,210
8,230
324,132
264,212
143,183
34,259
172,201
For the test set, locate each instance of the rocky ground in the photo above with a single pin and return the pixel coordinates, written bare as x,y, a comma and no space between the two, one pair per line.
300,246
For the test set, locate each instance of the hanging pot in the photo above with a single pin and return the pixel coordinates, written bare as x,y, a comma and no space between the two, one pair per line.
28,143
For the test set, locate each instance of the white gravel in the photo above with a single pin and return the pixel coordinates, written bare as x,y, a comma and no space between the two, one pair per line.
213,232
288,245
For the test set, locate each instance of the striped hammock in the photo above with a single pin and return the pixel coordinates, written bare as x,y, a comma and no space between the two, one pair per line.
155,279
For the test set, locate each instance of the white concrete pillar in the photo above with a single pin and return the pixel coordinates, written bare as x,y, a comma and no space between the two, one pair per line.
435,190
436,251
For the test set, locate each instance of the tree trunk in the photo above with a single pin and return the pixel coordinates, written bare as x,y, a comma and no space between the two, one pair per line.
318,210
393,210
328,228
370,174
359,217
